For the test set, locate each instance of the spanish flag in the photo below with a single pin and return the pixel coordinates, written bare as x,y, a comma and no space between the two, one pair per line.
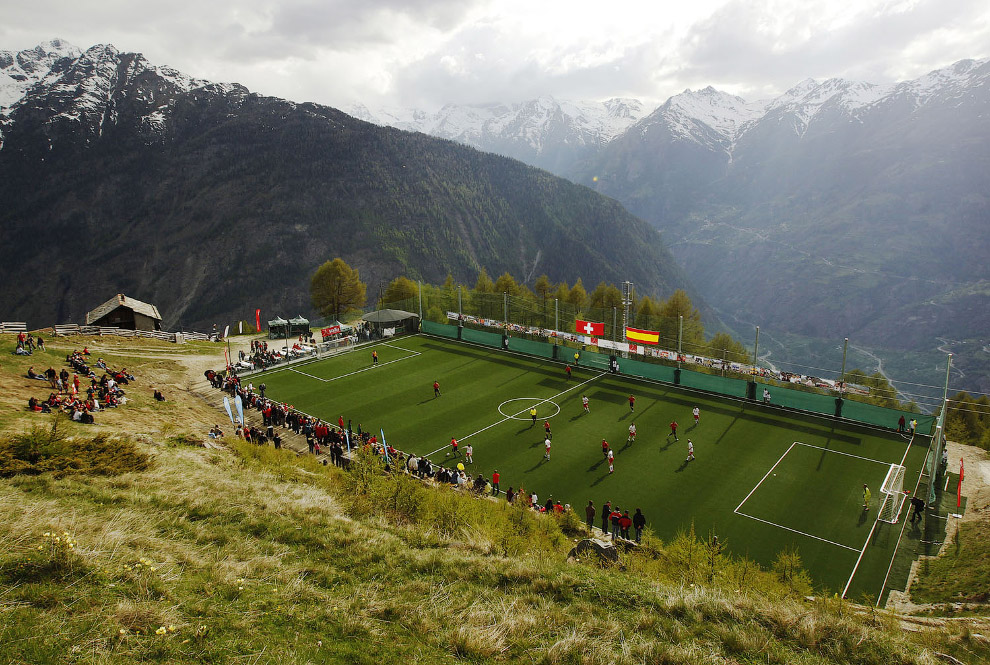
642,336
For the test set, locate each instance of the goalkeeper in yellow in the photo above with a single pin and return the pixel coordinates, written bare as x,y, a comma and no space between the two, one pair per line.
867,495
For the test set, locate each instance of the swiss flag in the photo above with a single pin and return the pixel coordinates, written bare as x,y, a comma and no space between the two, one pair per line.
590,328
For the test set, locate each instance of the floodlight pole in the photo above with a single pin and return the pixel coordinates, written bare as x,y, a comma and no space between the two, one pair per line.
680,334
756,350
420,284
945,390
505,309
627,291
460,310
613,323
556,316
842,375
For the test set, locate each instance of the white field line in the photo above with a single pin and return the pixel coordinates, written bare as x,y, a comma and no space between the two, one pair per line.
787,528
837,452
763,478
861,553
370,367
511,417
869,536
901,534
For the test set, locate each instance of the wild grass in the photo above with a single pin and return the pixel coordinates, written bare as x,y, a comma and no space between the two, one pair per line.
48,449
960,576
254,555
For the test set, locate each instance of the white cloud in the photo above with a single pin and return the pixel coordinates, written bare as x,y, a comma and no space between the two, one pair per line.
429,52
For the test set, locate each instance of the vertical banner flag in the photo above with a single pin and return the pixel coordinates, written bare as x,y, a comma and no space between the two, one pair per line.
642,336
240,327
257,319
385,447
959,486
240,409
226,406
226,331
590,328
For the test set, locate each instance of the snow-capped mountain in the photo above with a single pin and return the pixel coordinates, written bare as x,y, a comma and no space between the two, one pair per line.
558,135
544,132
19,71
77,93
810,212
117,175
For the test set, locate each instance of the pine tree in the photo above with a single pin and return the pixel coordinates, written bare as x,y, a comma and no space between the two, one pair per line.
335,287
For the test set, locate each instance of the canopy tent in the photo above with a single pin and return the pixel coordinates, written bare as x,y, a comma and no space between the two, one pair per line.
280,328
392,318
388,316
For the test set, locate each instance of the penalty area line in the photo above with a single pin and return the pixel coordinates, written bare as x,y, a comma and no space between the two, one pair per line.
839,452
802,533
358,371
761,481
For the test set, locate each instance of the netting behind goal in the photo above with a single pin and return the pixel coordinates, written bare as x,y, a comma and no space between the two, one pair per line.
893,494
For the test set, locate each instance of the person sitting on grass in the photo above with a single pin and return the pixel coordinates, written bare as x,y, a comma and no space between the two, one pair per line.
159,397
31,374
80,415
33,404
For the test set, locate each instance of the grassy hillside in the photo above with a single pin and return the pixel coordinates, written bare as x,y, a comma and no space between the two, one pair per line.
242,554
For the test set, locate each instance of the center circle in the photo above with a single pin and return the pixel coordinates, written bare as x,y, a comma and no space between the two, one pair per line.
524,414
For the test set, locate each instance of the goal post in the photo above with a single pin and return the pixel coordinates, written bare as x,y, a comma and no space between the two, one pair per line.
892,492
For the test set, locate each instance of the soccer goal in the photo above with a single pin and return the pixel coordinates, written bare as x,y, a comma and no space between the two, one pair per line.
893,494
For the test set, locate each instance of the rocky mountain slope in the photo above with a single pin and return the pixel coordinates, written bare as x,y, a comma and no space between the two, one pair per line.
117,175
548,133
839,208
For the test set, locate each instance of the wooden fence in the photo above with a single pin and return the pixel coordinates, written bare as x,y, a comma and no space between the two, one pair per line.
13,327
67,329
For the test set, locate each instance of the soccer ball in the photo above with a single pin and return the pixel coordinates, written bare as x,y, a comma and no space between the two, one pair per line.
446,454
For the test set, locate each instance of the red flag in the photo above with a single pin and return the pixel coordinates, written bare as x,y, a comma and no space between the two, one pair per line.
590,328
959,486
257,319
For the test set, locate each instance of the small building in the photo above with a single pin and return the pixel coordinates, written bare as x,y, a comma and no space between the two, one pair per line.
123,312
397,319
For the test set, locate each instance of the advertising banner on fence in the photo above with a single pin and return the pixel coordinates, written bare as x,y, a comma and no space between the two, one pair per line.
330,330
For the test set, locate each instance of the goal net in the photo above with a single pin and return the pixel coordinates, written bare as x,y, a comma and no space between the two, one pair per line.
892,492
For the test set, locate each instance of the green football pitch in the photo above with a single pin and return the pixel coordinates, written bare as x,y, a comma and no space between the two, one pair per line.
764,479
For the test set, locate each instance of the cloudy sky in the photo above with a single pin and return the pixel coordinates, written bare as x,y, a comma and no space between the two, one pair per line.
425,53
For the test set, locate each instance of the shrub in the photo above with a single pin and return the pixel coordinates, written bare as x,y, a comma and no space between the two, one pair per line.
47,450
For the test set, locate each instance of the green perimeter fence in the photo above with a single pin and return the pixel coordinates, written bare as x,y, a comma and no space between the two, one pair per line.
780,394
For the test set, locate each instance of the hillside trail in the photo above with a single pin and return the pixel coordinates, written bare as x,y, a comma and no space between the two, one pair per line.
976,489
198,386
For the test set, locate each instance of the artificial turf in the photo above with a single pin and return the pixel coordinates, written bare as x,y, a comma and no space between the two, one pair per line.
813,503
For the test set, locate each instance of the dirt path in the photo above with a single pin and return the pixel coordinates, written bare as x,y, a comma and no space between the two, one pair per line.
976,489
